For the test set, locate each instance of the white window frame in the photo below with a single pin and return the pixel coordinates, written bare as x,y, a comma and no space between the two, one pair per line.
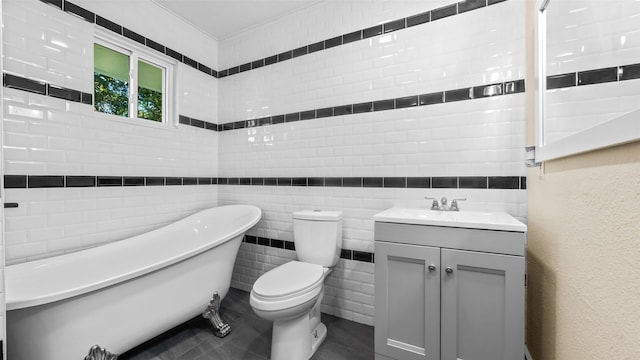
138,52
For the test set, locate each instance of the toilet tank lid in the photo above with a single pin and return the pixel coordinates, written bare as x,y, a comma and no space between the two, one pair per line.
318,215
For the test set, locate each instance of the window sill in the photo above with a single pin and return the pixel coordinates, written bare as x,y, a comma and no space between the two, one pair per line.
167,126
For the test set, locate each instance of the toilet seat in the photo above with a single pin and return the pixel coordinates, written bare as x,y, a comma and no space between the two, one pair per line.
287,285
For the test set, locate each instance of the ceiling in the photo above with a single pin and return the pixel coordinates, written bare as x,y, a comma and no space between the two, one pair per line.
221,19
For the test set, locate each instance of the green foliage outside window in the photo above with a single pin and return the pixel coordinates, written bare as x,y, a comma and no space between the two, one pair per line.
149,91
149,104
111,95
112,87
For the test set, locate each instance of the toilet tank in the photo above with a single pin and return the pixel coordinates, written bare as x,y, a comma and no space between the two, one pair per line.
318,236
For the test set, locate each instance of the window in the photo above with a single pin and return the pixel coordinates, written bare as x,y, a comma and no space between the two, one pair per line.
129,82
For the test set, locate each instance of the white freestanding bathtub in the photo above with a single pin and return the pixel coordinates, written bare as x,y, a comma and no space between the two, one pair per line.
124,293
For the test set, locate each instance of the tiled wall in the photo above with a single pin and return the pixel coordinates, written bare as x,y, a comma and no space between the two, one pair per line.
359,123
48,42
2,259
342,124
594,62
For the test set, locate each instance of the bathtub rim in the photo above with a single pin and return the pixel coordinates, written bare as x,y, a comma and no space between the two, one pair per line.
15,301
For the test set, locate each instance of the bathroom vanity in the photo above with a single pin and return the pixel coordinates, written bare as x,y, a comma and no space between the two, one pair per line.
449,285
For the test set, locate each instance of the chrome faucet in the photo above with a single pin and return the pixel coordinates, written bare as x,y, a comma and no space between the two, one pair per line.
442,205
434,204
454,204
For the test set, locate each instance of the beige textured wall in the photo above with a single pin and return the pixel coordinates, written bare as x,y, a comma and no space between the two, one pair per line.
583,300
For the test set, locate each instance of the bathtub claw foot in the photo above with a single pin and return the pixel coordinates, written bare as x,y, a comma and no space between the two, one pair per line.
221,328
98,353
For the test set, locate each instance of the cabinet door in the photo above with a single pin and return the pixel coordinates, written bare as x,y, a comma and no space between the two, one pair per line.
482,306
407,322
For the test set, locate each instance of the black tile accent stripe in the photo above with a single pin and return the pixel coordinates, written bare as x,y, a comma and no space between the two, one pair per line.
185,120
594,76
598,76
561,81
372,31
109,180
10,205
444,12
38,181
476,92
108,24
21,83
154,45
450,182
15,181
395,25
418,182
56,3
79,11
154,181
468,5
80,181
362,256
133,36
629,72
133,181
394,182
444,182
37,87
64,93
472,182
505,182
419,19
351,37
372,182
290,245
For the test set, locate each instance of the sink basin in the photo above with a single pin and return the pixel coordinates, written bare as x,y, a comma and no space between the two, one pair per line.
490,220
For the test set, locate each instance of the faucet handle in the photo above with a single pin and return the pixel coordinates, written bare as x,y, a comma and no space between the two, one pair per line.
454,204
434,204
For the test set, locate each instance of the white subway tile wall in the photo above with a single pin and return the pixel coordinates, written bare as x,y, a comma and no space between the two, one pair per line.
55,221
2,242
461,51
591,34
49,136
319,22
588,35
481,137
42,43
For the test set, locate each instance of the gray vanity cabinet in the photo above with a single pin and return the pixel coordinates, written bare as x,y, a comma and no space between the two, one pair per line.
407,322
449,293
482,306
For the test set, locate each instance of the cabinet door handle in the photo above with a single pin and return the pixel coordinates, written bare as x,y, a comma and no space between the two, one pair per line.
432,267
448,270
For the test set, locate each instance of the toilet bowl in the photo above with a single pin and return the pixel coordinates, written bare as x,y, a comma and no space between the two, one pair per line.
290,294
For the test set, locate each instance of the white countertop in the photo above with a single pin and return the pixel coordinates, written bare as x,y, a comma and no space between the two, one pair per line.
488,220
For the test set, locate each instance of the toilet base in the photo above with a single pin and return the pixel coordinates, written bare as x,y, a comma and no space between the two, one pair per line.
291,339
317,337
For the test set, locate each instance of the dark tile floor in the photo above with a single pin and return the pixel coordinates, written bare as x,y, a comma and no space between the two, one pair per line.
250,338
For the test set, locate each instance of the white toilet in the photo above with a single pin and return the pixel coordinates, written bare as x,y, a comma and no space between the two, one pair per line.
290,295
